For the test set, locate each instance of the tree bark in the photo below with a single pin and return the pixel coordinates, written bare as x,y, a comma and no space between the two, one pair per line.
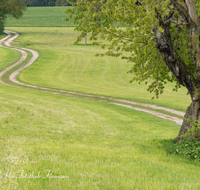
180,70
185,124
188,117
174,62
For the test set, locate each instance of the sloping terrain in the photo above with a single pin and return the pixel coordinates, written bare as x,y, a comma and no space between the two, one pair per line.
34,55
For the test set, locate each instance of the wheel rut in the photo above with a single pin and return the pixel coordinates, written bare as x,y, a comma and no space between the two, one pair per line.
148,108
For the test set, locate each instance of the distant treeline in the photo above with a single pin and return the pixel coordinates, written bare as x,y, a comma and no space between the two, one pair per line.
44,3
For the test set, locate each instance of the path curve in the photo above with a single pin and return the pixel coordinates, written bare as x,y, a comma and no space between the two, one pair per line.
6,43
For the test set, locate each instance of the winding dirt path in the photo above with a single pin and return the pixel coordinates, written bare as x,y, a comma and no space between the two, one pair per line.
6,43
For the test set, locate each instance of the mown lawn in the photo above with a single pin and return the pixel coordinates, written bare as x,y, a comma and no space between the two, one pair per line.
53,141
67,66
94,144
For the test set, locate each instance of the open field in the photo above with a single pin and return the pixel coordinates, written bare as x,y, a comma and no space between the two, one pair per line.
105,76
93,145
96,144
41,16
75,67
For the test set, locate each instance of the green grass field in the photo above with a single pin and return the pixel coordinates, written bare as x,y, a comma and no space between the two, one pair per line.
41,16
75,67
94,145
99,146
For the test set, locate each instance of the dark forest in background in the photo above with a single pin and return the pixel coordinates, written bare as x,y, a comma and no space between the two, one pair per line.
44,3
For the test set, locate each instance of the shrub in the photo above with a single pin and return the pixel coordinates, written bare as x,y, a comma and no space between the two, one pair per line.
189,146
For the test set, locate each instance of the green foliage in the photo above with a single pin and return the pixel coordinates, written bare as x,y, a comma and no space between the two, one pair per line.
189,146
134,41
10,8
1,26
63,3
39,3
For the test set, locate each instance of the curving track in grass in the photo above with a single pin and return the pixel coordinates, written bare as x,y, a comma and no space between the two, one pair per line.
12,81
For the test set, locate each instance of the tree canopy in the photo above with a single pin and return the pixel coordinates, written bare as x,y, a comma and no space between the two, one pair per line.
40,3
10,8
62,3
160,37
44,3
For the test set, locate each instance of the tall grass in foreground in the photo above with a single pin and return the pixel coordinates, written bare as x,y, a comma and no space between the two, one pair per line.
66,66
93,145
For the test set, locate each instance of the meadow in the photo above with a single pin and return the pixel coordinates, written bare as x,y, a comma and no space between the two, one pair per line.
93,145
42,16
79,69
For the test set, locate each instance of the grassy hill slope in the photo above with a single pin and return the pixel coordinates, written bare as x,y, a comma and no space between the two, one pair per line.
93,145
66,66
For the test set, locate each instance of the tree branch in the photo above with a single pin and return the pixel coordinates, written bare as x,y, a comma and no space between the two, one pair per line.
194,32
174,62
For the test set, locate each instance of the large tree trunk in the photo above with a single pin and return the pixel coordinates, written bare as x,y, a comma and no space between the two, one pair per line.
176,65
192,115
182,74
185,124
